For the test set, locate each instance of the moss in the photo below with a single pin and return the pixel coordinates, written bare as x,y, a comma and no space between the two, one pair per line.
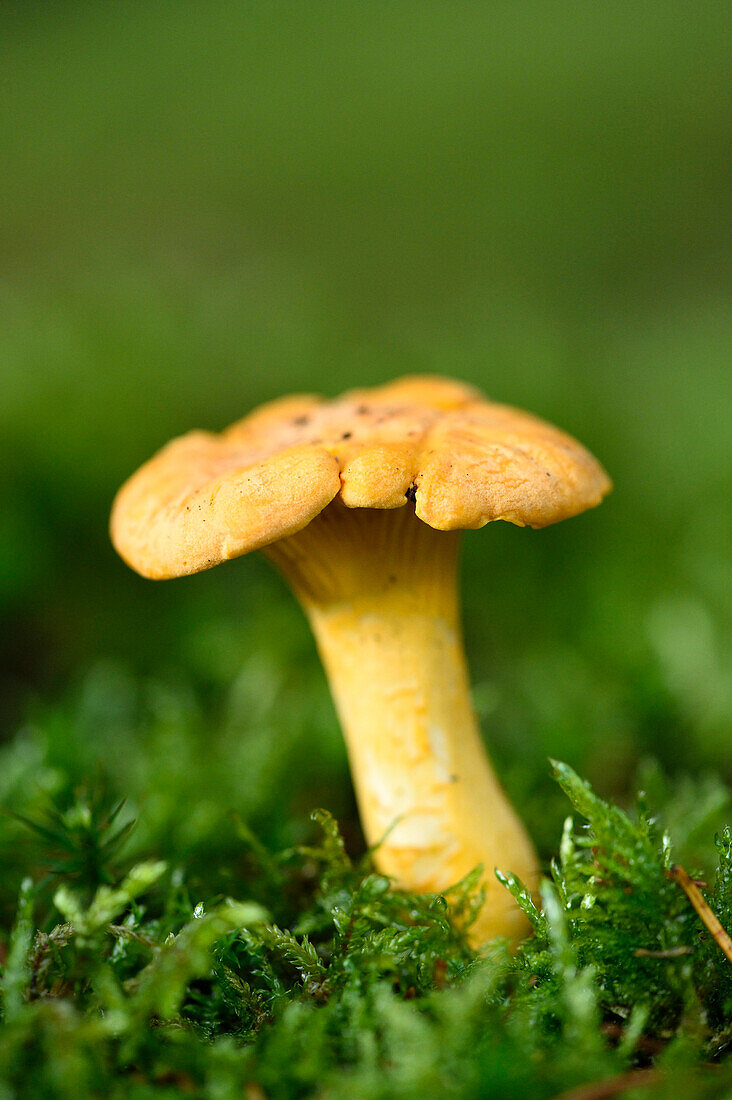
330,982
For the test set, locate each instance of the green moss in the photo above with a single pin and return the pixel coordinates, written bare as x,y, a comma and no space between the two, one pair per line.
333,983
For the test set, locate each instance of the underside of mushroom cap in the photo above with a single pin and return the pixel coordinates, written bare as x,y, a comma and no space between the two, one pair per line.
462,460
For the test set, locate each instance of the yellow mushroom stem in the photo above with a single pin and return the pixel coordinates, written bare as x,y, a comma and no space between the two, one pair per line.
380,590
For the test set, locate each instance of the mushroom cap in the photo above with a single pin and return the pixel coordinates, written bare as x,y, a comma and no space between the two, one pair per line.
462,460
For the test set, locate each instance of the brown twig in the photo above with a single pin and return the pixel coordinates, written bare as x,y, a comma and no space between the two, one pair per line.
646,1048
669,953
612,1086
695,896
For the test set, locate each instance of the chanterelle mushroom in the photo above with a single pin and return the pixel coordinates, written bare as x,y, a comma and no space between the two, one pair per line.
360,502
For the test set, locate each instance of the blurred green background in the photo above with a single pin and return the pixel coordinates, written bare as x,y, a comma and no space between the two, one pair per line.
203,206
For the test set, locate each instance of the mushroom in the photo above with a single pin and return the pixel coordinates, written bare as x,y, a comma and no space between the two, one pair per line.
360,502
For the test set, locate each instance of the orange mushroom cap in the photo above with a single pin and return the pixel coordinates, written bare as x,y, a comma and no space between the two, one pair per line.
463,460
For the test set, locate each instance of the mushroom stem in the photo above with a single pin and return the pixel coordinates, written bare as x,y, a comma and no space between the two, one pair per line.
380,591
